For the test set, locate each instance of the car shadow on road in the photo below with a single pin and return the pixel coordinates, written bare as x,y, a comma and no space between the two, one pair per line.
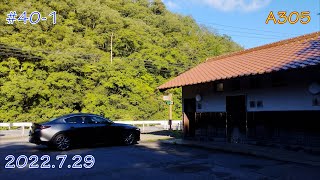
12,146
43,148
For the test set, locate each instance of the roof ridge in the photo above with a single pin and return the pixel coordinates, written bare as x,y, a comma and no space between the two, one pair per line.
274,44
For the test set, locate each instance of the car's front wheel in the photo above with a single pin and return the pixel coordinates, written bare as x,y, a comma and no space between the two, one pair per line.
129,138
62,142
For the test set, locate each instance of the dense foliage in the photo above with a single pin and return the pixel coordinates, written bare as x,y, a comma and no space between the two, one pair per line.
150,46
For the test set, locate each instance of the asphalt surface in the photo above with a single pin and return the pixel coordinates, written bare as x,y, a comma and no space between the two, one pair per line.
148,160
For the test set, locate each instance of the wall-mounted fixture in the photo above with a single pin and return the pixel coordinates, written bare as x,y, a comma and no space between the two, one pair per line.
219,87
198,98
314,88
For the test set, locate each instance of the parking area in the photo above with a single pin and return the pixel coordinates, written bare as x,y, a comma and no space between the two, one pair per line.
148,160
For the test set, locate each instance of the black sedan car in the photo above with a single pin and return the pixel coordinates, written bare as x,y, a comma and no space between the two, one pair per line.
80,129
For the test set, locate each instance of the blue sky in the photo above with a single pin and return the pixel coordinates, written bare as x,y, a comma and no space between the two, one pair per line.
244,20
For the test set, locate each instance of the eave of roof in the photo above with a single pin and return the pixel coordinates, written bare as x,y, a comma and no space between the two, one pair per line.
298,52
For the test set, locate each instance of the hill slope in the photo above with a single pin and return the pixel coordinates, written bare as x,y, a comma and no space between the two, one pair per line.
150,45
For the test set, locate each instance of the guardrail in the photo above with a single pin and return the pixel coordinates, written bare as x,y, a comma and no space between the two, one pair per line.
17,124
176,124
8,125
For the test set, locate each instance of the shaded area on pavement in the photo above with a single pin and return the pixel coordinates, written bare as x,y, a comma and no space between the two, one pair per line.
154,160
253,150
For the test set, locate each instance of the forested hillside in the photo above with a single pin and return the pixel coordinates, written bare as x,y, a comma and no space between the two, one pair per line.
150,46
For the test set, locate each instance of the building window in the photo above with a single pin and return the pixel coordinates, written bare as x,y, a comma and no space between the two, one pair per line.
259,104
219,87
252,104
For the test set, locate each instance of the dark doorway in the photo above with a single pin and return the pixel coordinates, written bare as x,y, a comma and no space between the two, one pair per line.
189,115
236,118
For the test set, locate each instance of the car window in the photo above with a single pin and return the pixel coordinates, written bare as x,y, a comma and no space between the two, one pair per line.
74,120
86,120
99,120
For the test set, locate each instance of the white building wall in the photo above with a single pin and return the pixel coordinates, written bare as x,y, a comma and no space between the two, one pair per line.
213,103
282,99
277,99
292,97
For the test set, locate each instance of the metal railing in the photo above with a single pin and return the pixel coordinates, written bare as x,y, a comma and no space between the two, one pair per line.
23,125
176,124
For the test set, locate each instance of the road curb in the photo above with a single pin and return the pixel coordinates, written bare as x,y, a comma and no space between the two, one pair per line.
244,152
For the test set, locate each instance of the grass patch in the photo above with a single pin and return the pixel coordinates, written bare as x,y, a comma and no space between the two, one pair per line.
156,139
172,133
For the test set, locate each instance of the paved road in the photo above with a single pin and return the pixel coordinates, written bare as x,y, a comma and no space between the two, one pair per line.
152,161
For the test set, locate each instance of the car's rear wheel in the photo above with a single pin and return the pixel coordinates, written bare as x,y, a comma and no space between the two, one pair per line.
129,138
62,142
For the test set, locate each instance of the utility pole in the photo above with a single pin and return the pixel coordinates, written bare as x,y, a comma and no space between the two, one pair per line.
169,101
170,111
111,48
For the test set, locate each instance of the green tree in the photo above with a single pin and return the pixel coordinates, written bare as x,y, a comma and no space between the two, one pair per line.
150,45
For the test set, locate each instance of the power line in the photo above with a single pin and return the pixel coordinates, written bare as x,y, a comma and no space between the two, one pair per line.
254,37
246,28
247,32
251,29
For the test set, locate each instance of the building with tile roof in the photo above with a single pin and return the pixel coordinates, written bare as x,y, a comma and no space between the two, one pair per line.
265,94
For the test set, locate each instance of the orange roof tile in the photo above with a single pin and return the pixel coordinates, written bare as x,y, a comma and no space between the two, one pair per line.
298,52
